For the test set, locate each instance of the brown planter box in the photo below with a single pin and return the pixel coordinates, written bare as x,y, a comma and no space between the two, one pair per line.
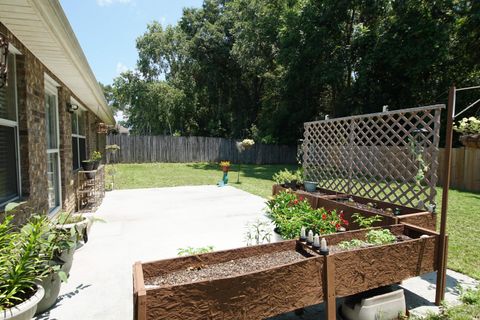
268,292
421,218
328,199
312,197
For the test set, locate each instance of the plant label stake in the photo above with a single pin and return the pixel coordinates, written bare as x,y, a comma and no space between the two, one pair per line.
316,242
324,248
310,237
303,236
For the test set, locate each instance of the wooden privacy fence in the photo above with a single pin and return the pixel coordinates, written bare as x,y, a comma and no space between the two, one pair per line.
141,149
465,174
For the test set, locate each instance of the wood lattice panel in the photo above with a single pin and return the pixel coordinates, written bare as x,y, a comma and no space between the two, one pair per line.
377,156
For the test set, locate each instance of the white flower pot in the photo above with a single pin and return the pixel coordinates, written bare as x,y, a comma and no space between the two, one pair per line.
51,285
25,310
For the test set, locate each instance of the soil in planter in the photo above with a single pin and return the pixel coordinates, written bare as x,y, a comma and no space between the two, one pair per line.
365,207
336,248
226,269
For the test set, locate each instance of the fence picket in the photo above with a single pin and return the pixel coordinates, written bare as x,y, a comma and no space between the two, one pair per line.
140,149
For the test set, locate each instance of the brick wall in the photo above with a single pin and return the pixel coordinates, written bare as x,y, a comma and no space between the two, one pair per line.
32,132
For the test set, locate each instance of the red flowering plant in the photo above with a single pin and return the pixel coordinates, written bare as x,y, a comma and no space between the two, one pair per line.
290,213
324,221
286,204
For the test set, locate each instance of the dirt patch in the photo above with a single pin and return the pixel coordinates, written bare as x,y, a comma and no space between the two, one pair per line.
199,272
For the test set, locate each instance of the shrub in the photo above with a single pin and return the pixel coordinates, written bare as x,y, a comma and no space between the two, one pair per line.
287,176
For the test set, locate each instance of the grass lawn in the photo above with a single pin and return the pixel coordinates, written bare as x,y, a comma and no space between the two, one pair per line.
463,217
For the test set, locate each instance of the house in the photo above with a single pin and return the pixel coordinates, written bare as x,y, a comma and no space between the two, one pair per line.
51,107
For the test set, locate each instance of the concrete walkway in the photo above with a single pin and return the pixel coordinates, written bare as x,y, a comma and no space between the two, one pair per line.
151,224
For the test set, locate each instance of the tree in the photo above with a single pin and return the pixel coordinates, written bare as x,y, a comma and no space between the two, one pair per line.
238,68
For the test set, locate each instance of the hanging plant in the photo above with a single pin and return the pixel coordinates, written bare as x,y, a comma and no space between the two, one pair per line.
470,130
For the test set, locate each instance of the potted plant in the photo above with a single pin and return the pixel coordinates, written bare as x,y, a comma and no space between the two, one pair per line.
310,186
225,165
469,128
287,178
92,164
76,224
57,246
96,157
20,270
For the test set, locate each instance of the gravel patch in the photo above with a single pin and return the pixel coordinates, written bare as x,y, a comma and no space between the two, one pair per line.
231,268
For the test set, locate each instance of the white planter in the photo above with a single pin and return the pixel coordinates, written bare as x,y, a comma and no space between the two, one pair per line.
25,310
82,228
276,237
67,258
51,285
384,306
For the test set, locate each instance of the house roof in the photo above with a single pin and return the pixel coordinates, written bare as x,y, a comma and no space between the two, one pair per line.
44,29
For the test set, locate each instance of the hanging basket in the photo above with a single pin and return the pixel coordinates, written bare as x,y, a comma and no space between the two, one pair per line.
102,128
471,140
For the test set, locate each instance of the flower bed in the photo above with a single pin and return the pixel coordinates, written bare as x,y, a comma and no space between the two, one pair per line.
332,200
279,285
421,218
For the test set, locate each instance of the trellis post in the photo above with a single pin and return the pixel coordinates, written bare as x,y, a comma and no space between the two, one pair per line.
443,249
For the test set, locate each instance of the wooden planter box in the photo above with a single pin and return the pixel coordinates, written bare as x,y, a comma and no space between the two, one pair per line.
330,200
408,215
312,197
283,288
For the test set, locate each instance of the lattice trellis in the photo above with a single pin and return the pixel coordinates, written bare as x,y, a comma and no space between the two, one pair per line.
388,156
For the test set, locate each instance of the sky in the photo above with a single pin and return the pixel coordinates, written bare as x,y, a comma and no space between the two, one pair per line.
107,29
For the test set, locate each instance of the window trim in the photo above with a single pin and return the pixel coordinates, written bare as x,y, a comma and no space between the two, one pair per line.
76,135
51,87
15,126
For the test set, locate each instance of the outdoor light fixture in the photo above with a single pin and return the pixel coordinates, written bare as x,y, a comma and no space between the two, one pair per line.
72,107
3,60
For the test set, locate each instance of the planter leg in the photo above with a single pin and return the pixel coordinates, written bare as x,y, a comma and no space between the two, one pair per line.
442,272
329,287
299,312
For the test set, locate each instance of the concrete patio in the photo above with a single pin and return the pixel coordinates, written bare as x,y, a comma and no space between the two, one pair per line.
151,224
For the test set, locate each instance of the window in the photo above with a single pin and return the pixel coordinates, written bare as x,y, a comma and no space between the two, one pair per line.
9,165
78,138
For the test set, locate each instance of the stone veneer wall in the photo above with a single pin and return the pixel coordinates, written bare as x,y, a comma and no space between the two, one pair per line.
32,132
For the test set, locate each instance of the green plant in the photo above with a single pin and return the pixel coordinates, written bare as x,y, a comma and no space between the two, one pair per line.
287,176
258,232
469,309
96,156
25,258
422,166
468,126
290,213
365,222
380,236
188,251
352,244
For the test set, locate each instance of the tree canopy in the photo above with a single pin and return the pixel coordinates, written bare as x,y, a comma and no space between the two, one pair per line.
260,68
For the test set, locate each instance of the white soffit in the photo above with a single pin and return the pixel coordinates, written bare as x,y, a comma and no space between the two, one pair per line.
41,25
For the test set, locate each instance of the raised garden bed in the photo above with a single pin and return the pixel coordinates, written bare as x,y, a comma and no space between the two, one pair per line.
312,197
333,200
262,281
363,206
